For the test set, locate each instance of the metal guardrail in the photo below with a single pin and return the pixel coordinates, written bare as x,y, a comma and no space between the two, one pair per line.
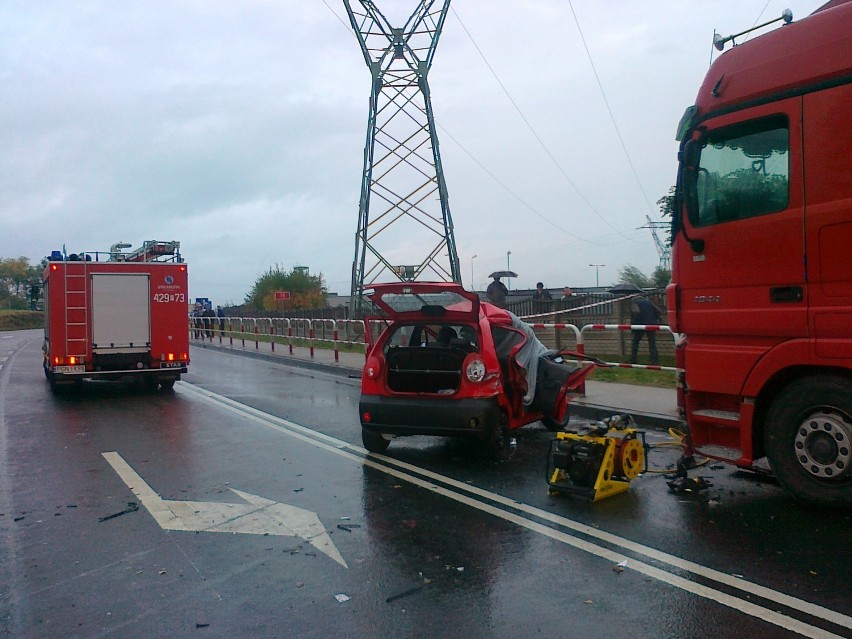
302,333
291,332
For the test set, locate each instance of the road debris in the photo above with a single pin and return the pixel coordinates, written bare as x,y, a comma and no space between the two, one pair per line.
348,527
619,567
132,507
682,485
342,597
404,593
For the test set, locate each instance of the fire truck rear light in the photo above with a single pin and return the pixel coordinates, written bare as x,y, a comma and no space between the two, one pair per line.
57,361
366,417
72,360
171,357
184,357
53,267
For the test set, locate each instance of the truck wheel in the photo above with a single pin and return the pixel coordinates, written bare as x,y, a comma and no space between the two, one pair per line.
167,384
374,442
808,437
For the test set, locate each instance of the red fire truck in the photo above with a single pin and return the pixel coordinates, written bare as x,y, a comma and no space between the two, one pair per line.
113,315
762,278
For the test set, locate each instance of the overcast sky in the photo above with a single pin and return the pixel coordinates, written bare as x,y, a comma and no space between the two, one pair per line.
238,129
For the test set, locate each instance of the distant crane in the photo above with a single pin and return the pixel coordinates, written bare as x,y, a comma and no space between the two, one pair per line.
405,230
664,252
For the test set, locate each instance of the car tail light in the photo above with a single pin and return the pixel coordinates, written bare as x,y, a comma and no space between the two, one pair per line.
373,368
475,370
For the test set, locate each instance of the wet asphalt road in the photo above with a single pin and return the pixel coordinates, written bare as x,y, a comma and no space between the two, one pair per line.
468,548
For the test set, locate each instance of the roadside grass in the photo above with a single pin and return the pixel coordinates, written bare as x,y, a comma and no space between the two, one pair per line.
14,320
637,376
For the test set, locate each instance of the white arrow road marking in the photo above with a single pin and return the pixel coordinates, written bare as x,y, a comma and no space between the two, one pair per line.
260,516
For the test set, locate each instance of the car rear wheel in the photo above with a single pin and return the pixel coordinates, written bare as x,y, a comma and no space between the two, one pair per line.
374,442
499,440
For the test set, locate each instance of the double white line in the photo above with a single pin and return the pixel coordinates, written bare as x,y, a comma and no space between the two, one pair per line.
510,510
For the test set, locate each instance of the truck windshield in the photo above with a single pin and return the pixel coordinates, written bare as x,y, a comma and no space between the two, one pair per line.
743,172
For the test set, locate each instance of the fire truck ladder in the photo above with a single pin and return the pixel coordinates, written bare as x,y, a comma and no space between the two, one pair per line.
76,313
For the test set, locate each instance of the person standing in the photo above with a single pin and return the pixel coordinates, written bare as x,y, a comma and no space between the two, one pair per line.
540,293
540,298
497,292
220,314
208,317
196,321
644,312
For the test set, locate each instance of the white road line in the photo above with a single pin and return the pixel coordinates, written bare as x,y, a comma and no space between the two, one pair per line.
342,448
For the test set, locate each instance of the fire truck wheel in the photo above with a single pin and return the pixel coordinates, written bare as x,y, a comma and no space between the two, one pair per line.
808,439
374,442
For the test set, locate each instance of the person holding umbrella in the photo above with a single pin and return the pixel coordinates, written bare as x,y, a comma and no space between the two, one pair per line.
642,312
497,291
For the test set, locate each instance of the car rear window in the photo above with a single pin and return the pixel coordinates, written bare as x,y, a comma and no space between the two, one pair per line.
429,304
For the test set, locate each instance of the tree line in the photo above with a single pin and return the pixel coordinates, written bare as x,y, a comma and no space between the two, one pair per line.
17,278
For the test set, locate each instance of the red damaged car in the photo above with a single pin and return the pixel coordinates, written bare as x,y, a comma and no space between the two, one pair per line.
440,362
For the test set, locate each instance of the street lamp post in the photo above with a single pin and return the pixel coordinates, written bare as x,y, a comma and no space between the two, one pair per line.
472,280
508,268
597,278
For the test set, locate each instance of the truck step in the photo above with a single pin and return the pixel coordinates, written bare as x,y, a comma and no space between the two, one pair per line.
722,417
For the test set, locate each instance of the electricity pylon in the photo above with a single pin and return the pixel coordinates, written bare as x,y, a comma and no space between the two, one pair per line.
405,230
664,252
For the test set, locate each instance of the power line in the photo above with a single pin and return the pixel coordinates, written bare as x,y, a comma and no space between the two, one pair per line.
507,189
608,109
531,128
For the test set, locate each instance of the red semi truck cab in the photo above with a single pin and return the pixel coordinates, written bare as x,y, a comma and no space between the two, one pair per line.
762,275
113,315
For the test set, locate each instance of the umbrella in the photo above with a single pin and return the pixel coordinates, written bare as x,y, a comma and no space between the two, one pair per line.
503,274
625,288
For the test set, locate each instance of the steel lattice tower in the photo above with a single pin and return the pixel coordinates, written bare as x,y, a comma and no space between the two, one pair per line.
405,230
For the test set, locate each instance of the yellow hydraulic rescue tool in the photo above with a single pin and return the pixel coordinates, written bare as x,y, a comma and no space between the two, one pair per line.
599,461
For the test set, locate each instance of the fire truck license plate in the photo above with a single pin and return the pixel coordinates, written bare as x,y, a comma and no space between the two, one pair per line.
69,369
171,364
